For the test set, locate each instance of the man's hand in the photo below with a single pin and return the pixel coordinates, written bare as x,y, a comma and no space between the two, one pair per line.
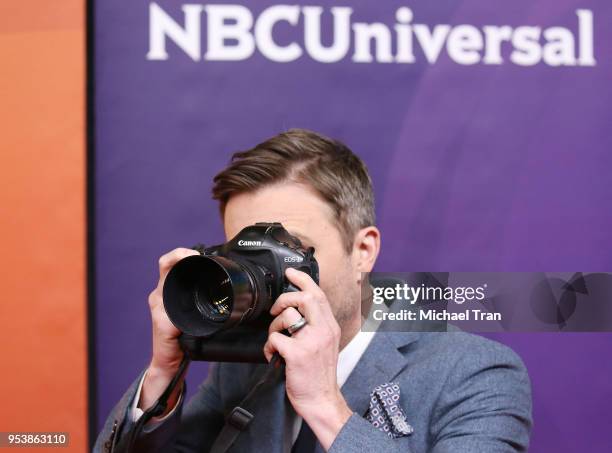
167,354
311,356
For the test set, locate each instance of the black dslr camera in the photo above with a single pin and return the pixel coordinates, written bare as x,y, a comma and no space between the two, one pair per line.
220,299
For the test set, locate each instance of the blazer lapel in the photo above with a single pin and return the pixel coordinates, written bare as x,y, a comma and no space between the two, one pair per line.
380,363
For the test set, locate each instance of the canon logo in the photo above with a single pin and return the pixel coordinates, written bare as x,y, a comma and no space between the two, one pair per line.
249,243
233,34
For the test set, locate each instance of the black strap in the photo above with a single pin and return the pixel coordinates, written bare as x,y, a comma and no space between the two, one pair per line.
240,418
159,407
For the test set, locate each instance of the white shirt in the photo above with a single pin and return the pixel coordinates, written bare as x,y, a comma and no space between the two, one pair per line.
137,412
347,360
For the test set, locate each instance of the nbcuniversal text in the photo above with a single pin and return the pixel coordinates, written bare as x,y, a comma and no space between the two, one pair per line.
286,33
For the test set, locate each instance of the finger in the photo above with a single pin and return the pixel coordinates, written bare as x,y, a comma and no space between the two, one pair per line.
287,318
306,304
277,342
302,280
171,258
162,321
305,282
155,299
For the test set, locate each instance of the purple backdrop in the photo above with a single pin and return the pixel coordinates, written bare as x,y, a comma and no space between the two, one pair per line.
483,167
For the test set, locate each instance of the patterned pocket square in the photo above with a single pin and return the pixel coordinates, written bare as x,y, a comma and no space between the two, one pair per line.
385,412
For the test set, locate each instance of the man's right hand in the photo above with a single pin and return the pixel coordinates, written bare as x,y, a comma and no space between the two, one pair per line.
167,354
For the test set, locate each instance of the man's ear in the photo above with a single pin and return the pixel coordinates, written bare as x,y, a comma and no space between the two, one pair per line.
365,249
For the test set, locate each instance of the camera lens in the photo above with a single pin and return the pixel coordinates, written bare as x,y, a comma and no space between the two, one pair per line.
213,300
205,294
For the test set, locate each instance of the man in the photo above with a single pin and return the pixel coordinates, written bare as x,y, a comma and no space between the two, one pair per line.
447,392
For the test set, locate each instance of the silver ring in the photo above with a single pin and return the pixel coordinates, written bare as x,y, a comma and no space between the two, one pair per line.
293,328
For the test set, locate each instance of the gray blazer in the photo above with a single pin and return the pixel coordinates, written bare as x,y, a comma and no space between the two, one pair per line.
459,392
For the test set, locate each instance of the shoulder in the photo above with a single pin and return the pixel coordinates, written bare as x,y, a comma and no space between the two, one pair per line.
469,363
456,348
459,356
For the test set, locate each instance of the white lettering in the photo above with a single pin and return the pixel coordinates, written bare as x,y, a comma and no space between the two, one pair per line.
559,50
585,33
431,42
312,33
463,44
494,36
527,50
249,243
364,33
234,34
405,54
219,32
263,33
293,259
162,25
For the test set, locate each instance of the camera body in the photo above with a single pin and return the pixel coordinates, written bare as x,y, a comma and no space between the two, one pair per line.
220,299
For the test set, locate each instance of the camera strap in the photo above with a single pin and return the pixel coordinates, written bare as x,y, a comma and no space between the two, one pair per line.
236,422
240,417
159,407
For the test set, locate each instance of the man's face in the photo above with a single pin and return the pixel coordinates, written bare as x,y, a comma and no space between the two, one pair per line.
307,216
